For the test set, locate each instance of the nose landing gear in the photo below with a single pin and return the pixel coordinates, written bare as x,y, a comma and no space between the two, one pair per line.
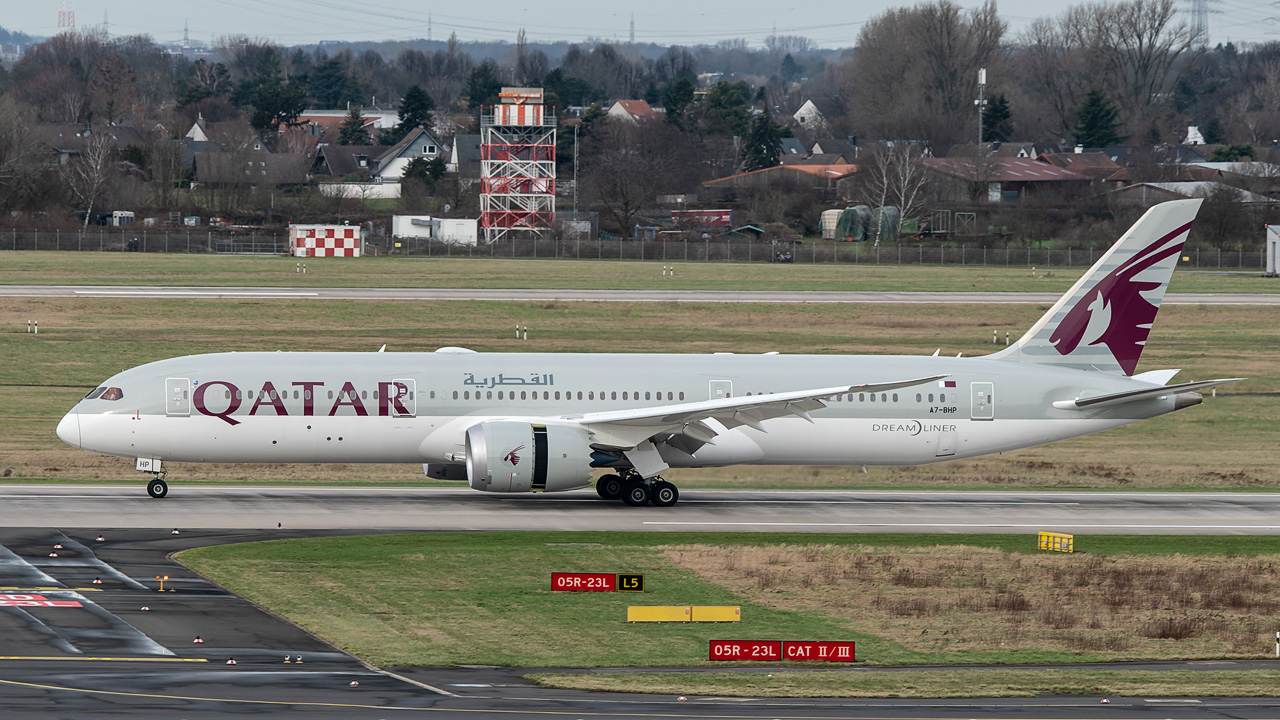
158,488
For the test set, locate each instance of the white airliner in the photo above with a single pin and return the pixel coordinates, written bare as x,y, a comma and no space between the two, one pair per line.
527,422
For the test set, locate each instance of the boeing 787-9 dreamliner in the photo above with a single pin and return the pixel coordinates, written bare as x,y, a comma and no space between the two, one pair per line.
534,422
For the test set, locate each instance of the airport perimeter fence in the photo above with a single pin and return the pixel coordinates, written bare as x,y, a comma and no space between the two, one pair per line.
712,250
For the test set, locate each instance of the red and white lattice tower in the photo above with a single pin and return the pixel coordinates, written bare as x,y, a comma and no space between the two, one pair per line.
517,166
66,17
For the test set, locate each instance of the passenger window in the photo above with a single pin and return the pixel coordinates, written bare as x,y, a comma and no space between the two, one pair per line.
238,394
433,395
873,397
624,394
466,395
455,394
557,394
942,397
614,395
248,395
669,397
112,393
226,394
917,397
546,395
411,394
895,397
499,394
884,397
306,394
330,394
487,396
579,394
862,397
591,395
682,396
646,396
295,394
522,397
364,394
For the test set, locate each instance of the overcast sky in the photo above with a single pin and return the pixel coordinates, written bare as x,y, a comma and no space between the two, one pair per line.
831,23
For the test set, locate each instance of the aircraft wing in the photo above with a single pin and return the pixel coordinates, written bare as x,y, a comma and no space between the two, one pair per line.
1133,395
626,428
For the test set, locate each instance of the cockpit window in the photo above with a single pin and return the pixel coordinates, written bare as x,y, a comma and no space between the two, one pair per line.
113,393
94,393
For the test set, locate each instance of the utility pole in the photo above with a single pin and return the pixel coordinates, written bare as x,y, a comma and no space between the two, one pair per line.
980,102
575,171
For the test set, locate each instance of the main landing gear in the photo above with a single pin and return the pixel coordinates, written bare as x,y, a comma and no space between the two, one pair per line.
157,488
634,490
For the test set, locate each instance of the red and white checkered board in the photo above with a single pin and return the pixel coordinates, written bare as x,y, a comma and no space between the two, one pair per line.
337,241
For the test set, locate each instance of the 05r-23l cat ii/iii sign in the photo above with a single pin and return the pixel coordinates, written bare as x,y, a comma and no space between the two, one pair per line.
533,422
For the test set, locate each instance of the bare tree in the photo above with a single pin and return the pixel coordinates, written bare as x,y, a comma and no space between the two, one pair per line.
894,177
915,71
625,166
114,88
1136,51
780,45
87,175
19,151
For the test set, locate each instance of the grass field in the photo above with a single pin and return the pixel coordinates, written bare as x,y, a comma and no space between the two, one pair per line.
67,268
449,598
932,684
1223,444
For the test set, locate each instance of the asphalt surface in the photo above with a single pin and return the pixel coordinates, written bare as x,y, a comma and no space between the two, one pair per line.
122,648
460,508
532,295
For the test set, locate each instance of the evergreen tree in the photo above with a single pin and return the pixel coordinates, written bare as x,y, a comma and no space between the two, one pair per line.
676,100
762,145
331,84
483,85
1213,133
273,101
351,131
996,126
1097,122
724,109
790,71
425,171
414,112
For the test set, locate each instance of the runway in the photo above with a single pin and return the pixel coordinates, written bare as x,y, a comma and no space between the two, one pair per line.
562,295
124,648
816,511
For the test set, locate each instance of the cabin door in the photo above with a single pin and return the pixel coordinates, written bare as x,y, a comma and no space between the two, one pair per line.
177,393
982,401
721,389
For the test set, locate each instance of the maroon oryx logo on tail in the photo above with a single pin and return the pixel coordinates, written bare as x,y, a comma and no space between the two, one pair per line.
512,457
1116,305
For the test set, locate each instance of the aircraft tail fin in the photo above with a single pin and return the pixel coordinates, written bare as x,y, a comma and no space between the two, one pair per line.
1103,321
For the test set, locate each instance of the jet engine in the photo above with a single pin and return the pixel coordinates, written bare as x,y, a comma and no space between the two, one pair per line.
514,456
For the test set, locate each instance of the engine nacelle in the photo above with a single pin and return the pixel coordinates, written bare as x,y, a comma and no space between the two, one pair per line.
514,456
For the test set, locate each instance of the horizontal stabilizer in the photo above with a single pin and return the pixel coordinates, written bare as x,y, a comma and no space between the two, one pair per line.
1135,395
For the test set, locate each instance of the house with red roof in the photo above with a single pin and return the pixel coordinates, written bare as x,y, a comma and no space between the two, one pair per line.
632,111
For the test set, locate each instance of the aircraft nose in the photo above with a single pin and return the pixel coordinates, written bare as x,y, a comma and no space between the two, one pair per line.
69,429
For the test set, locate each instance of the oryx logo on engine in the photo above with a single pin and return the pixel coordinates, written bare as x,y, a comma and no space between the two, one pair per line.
512,457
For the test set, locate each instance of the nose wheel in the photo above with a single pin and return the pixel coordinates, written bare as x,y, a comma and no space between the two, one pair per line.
157,488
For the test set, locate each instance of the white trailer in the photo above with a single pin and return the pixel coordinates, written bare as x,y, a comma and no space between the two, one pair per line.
460,231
